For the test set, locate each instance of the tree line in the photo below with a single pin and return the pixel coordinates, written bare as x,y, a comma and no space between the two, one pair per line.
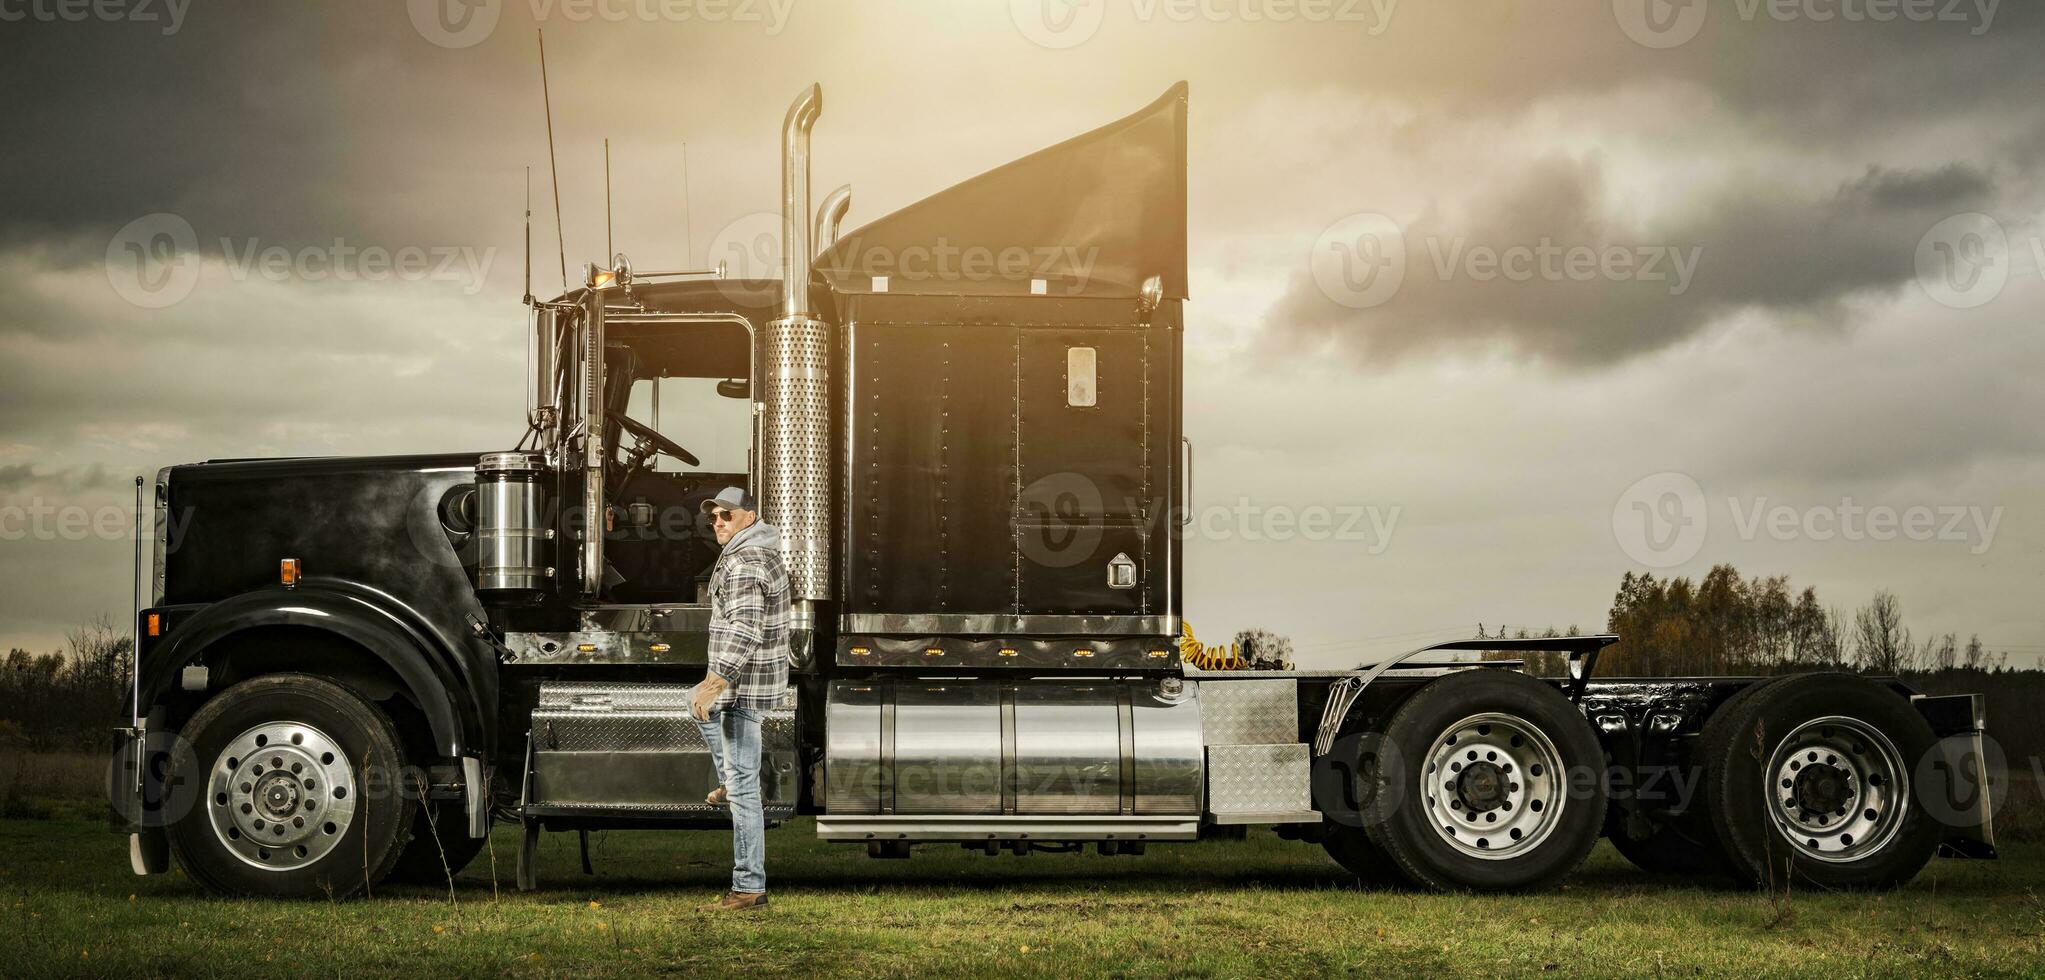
67,700
1728,624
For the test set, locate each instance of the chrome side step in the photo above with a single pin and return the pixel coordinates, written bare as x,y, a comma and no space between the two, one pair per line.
970,827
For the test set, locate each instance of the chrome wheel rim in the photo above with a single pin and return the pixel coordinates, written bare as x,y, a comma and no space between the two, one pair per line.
1493,786
1836,789
281,795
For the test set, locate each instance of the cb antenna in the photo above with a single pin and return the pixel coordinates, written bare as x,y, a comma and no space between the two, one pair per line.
547,99
688,212
609,249
528,236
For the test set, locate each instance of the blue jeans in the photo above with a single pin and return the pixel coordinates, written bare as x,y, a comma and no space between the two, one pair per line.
733,735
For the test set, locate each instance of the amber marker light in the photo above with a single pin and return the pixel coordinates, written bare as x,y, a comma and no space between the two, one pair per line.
287,572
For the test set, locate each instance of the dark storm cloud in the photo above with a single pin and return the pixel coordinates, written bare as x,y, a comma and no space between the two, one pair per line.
1498,271
79,479
227,118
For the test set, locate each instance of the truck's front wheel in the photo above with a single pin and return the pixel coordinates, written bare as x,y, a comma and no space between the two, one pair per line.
1502,787
302,796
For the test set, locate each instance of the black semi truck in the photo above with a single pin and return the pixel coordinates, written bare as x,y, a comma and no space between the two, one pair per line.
966,420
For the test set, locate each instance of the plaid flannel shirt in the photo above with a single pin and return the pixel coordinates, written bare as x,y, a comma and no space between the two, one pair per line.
749,595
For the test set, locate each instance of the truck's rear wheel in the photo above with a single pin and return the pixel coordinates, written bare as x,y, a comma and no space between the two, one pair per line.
1811,778
301,797
1502,785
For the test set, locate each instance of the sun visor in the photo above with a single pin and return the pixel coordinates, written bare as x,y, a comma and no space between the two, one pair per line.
1093,216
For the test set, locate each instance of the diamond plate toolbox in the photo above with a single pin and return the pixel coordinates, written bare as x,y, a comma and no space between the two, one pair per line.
632,747
1258,779
1249,712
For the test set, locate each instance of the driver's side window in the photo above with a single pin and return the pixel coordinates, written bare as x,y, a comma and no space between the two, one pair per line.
716,428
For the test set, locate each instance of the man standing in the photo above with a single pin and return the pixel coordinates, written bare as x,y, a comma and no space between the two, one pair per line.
748,676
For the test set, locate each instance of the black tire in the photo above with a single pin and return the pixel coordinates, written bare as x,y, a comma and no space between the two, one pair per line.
430,861
360,822
1755,785
1561,802
1343,783
1351,848
1687,845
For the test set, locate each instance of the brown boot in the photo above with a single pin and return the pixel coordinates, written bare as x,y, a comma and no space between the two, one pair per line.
735,902
718,797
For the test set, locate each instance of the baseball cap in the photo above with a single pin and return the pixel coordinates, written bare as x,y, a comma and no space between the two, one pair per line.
729,498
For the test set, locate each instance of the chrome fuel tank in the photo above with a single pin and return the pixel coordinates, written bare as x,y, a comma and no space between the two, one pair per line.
1027,747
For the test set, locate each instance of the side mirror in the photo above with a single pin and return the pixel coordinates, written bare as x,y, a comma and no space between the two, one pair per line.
735,388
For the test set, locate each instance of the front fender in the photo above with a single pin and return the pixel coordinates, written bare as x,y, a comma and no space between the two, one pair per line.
431,665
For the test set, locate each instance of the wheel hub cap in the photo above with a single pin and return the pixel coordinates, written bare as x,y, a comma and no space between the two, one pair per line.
281,795
1482,787
1837,789
1492,785
1821,788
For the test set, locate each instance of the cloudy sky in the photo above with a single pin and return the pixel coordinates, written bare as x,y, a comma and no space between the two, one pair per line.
1517,296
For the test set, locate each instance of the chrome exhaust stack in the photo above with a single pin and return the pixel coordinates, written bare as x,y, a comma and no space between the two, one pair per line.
795,396
795,227
830,215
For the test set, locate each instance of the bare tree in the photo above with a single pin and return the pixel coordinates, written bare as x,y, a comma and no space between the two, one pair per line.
1881,643
1942,653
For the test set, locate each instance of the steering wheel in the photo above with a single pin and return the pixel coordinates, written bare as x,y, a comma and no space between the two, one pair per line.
650,439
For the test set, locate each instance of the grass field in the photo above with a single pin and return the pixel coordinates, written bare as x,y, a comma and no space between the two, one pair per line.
1261,907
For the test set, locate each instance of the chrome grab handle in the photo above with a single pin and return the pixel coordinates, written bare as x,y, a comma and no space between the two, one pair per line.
1186,516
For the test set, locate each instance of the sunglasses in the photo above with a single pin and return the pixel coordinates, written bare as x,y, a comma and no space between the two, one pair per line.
721,516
